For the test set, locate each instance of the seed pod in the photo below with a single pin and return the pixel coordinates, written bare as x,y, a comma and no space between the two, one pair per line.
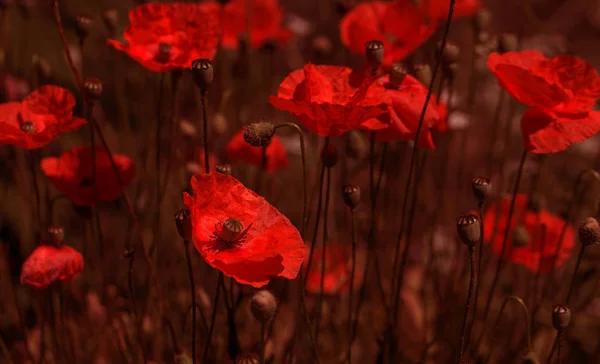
203,73
468,229
93,88
351,195
398,74
423,74
83,25
224,169
589,232
374,52
329,156
482,20
508,43
520,238
27,127
111,17
259,134
55,235
263,305
232,229
482,188
184,224
561,317
247,358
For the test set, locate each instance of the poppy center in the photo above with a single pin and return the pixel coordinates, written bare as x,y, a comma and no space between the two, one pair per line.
232,230
27,127
163,54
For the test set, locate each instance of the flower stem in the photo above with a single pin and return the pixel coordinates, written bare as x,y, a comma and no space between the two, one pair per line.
479,263
205,131
324,253
193,292
468,304
36,188
262,342
352,272
213,318
527,320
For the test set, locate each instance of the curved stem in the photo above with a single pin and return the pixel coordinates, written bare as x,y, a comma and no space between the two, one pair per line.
205,132
479,261
193,292
468,304
352,272
324,252
525,313
213,318
572,285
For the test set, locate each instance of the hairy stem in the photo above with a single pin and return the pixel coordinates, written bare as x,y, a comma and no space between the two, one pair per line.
193,292
468,304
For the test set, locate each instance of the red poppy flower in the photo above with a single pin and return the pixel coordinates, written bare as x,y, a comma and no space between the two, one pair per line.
165,37
328,100
240,233
401,26
529,254
561,92
48,264
438,9
265,21
71,174
338,269
239,151
39,118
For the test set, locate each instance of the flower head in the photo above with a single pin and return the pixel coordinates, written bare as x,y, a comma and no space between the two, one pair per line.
72,175
240,233
338,269
48,264
41,117
238,150
561,93
165,37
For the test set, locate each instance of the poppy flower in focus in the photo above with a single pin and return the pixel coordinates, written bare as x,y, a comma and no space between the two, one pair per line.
48,264
401,26
561,93
328,100
438,9
239,233
72,174
41,117
526,245
265,22
239,151
166,37
338,269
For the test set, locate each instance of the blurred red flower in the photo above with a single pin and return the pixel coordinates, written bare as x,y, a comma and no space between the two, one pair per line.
48,264
401,26
71,174
561,92
338,269
39,118
240,233
165,37
328,100
438,9
239,151
265,21
530,222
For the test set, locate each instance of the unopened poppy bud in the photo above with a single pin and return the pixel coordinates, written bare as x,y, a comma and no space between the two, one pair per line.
203,73
450,53
482,20
224,169
232,229
561,317
83,25
520,238
184,224
467,227
589,232
508,43
163,54
263,305
423,74
247,358
482,188
351,195
55,235
259,134
531,358
329,156
374,52
93,88
398,74
111,17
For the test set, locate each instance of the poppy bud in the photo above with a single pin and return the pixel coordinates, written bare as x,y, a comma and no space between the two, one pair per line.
531,358
468,229
398,74
482,188
482,20
247,358
163,54
589,232
374,52
259,134
423,74
111,17
520,238
329,156
450,53
508,43
356,146
93,88
561,317
83,25
55,235
263,305
224,169
203,73
232,229
184,224
351,195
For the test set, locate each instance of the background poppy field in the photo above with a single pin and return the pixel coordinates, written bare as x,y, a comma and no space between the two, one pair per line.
299,181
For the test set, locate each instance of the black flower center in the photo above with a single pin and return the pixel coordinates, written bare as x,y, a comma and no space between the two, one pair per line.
27,127
232,230
163,54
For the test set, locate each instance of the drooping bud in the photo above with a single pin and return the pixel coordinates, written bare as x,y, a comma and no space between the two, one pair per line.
329,156
184,224
203,73
520,238
231,230
468,229
351,194
259,134
263,305
374,52
247,358
508,43
93,88
589,232
423,74
83,25
561,317
482,188
55,235
398,74
224,169
111,17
